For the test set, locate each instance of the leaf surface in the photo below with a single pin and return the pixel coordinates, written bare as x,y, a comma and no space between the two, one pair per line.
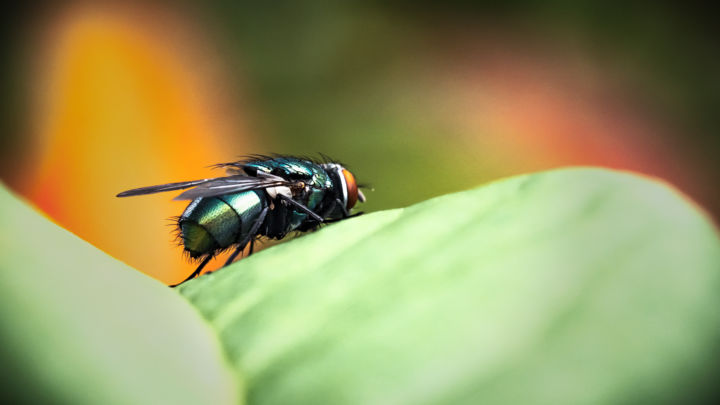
79,327
570,286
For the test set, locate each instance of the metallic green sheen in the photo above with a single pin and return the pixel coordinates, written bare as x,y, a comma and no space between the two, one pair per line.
196,239
296,218
289,166
312,173
219,222
315,198
218,218
320,178
247,206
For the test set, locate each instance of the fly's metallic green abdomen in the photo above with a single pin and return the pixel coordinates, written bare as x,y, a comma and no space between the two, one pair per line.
214,223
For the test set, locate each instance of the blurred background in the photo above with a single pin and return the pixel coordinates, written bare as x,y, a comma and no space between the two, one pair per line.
418,99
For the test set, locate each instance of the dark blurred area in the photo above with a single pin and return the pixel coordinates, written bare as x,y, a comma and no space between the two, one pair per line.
417,98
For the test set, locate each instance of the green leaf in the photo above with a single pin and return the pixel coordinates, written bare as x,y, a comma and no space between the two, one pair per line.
570,286
79,327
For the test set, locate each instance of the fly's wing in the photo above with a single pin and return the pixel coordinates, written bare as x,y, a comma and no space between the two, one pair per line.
234,184
213,187
163,187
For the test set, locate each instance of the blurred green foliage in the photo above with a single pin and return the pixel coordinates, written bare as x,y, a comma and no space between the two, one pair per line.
352,79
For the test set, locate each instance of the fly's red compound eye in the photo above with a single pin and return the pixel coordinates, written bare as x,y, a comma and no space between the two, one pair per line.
352,190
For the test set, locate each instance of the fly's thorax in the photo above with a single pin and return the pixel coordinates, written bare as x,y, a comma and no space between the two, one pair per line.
286,167
290,168
315,185
214,223
285,218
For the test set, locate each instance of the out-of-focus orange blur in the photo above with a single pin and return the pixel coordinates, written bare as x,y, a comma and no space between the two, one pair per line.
123,107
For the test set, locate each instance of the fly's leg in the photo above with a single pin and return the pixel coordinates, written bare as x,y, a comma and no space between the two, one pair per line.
302,208
196,272
252,245
250,237
330,221
346,214
342,207
234,254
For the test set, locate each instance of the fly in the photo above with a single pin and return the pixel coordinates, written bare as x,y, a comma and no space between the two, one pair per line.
261,195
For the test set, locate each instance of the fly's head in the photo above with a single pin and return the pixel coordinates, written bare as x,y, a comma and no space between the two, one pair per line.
347,192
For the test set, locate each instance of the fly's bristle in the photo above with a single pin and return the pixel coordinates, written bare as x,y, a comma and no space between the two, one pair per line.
173,221
176,232
327,159
319,159
187,257
255,157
